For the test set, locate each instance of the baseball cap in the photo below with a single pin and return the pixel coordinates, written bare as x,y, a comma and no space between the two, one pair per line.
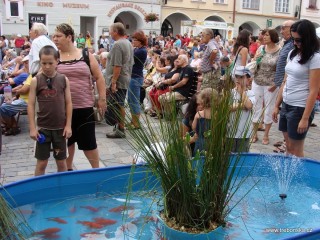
241,71
26,58
19,35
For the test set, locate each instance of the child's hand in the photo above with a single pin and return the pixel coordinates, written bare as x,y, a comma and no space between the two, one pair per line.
34,134
67,132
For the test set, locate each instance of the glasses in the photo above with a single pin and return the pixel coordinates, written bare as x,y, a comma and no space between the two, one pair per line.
239,76
297,40
49,83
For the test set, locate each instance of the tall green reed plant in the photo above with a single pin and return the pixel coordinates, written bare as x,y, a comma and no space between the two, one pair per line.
196,192
13,225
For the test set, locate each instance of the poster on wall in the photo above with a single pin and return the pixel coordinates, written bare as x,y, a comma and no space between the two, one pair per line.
35,17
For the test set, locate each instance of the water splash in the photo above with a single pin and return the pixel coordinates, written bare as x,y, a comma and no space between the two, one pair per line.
285,170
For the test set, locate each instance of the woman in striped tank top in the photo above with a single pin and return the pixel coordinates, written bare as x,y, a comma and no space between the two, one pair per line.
72,64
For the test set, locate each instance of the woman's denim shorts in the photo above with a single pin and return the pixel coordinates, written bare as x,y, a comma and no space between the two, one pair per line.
290,117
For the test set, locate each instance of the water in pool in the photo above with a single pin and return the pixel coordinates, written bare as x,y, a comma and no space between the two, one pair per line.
262,214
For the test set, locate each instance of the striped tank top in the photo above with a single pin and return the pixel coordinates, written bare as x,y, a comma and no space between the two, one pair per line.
81,88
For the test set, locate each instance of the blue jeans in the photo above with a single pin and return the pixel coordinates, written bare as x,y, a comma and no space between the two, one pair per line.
134,95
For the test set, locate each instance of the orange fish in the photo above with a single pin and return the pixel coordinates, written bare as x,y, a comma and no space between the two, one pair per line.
120,208
92,209
48,231
104,221
91,224
58,220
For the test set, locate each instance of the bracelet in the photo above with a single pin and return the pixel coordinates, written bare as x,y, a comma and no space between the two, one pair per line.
103,99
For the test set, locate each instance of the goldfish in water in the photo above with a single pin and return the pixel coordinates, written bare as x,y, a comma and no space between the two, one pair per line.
91,224
48,231
92,209
58,220
120,208
104,221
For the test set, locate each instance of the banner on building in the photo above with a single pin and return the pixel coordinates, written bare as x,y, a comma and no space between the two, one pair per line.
35,17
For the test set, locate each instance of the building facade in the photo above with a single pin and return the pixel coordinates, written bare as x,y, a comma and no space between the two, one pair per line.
190,16
310,10
254,15
95,16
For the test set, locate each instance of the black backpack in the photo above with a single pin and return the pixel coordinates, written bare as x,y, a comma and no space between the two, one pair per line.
85,54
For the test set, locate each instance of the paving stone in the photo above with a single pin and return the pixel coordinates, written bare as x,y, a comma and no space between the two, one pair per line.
18,162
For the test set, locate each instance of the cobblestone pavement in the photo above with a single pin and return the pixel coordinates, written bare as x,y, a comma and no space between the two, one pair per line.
17,160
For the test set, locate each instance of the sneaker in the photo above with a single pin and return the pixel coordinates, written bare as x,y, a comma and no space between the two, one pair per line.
118,133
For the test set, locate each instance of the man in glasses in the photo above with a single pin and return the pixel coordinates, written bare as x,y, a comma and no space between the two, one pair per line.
281,64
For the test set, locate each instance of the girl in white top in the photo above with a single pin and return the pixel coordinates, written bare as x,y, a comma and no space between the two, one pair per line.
300,87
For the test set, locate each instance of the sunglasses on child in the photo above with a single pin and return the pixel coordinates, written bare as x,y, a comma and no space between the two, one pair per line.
49,83
242,76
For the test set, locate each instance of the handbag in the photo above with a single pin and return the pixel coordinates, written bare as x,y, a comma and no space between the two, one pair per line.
112,114
253,66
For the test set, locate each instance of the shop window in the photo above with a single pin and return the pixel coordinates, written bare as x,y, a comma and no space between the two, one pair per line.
251,4
282,6
14,9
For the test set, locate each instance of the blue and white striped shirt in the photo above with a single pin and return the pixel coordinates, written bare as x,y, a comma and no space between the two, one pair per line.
282,61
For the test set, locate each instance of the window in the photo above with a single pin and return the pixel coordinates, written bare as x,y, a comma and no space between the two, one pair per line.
282,6
313,4
251,4
14,9
220,1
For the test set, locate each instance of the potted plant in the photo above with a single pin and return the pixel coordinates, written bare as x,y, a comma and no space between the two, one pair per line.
12,223
196,191
151,17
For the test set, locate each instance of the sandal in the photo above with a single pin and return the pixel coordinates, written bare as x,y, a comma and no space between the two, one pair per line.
261,129
281,149
313,125
278,144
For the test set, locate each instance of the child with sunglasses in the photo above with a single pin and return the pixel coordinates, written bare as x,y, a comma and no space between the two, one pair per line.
52,92
243,100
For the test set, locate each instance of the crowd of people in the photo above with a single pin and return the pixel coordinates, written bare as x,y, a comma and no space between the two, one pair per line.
150,71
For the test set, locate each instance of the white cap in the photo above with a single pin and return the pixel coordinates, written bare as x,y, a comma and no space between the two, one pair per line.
26,58
19,35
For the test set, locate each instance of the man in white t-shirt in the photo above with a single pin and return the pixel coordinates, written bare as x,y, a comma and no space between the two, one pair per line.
38,34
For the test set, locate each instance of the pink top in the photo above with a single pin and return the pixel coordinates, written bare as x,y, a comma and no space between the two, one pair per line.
81,86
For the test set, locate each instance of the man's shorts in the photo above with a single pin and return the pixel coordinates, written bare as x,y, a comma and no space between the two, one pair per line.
120,96
83,129
290,117
58,144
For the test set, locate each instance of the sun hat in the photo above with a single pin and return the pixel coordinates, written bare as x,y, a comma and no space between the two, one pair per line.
26,58
241,71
